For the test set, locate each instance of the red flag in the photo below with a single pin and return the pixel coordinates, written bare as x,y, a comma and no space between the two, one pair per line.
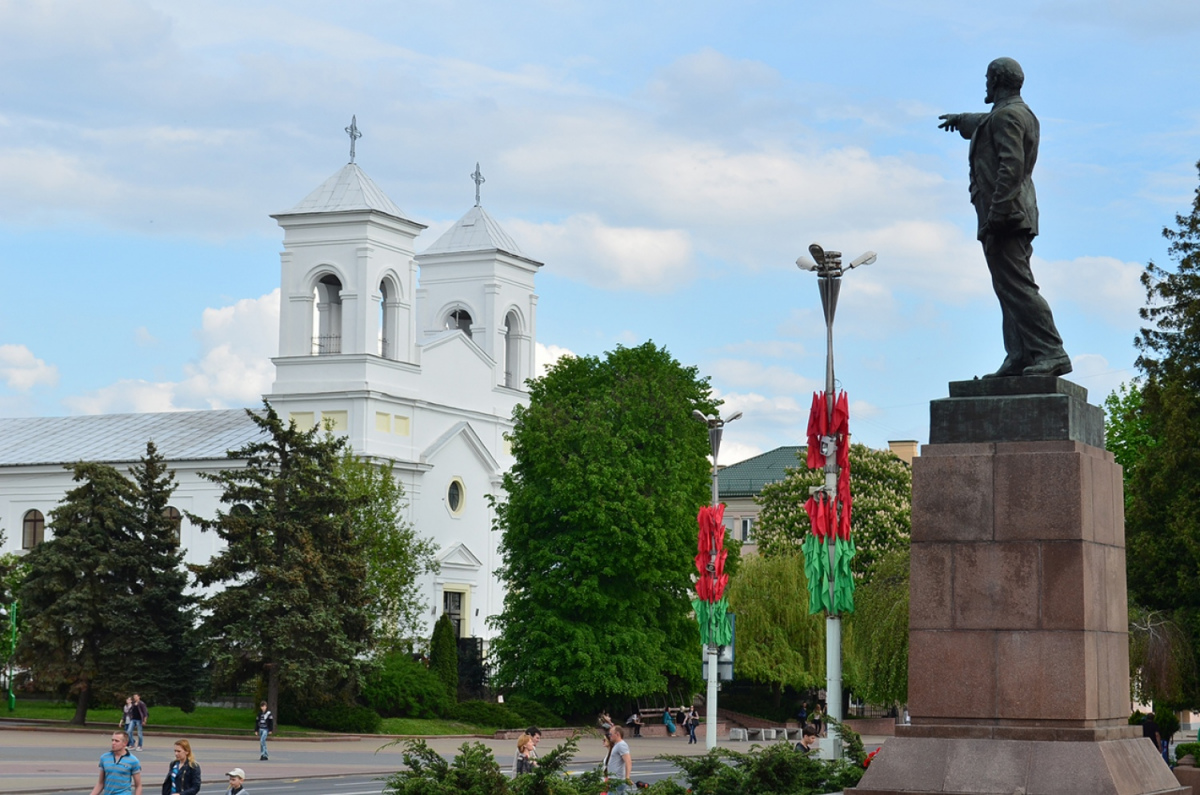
817,416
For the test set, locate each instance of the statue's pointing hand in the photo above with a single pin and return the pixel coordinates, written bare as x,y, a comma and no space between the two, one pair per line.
950,122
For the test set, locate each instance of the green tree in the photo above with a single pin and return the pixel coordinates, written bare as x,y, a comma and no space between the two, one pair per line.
292,606
443,655
779,643
153,614
1163,488
599,531
73,581
1127,429
877,652
880,520
396,557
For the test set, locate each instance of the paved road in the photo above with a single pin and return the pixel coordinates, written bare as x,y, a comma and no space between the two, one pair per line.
66,761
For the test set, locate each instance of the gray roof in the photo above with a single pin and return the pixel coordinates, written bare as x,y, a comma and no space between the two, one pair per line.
119,438
747,478
475,231
349,189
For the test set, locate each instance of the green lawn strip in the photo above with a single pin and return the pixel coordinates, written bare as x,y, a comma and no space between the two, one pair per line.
218,720
430,727
210,719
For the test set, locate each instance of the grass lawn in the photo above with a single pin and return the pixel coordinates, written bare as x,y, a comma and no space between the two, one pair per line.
224,719
220,719
430,727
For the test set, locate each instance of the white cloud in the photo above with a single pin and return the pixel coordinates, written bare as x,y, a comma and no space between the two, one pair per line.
546,355
234,368
1104,287
1093,371
744,374
586,249
21,370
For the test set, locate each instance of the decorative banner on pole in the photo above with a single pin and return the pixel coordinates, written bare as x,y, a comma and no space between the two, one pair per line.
829,509
711,606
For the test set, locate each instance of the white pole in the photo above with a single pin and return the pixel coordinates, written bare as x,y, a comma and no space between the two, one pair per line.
710,716
833,678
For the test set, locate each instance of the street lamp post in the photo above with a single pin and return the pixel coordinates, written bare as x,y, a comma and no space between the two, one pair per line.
828,267
715,426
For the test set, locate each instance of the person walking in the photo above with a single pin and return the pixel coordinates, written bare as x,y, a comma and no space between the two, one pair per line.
523,762
264,725
808,739
183,776
120,771
692,721
619,764
138,712
125,714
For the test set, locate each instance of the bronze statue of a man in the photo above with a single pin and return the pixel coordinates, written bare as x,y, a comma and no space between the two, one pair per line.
1004,145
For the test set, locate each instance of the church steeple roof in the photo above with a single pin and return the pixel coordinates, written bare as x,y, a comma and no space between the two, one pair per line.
349,189
475,231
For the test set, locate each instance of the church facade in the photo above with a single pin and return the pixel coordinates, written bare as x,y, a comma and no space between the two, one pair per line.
417,359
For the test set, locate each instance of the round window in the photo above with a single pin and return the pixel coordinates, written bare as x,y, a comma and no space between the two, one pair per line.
454,496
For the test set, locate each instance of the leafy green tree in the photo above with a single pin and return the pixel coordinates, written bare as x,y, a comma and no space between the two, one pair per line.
396,557
880,520
1127,429
292,605
779,643
443,655
599,531
73,582
153,614
877,652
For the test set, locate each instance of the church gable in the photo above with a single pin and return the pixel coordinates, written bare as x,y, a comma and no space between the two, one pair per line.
459,556
466,435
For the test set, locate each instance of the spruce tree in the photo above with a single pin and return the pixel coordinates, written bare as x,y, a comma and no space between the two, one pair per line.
154,615
74,582
291,604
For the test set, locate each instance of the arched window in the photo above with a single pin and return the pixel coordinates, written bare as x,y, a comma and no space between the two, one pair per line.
461,320
33,529
176,519
387,334
512,352
328,321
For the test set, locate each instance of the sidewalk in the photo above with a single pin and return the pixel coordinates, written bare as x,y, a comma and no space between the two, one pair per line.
39,761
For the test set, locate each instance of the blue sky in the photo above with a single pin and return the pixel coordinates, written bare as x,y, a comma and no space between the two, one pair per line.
668,161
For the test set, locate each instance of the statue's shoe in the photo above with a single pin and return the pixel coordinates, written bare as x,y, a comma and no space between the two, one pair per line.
1053,365
1010,368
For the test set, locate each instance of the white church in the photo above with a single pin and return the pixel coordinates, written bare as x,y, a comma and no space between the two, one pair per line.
418,359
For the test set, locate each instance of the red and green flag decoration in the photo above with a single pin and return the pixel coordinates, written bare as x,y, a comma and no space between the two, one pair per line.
711,606
829,514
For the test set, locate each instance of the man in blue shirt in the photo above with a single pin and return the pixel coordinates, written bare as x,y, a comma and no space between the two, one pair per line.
120,771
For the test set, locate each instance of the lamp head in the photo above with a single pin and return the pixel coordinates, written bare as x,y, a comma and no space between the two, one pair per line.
804,263
862,259
737,415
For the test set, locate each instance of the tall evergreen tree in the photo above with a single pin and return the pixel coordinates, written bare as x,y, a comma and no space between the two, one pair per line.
443,655
292,605
73,583
1163,488
600,531
154,615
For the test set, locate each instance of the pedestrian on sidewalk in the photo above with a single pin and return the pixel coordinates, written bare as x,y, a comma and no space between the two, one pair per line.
138,713
692,721
264,725
237,777
183,776
125,714
120,771
808,739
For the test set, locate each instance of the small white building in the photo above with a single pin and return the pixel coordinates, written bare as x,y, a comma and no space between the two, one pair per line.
423,372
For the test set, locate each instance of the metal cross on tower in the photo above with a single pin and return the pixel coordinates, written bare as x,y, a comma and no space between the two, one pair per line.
479,180
354,134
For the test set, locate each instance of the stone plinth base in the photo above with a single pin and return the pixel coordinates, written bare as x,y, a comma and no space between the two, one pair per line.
928,765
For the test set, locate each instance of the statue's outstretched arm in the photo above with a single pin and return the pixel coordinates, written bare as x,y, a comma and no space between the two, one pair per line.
963,123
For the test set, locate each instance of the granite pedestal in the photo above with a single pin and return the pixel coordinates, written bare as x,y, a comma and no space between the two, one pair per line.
1018,648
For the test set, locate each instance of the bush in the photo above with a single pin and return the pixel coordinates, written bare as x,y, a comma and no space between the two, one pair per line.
485,713
1167,720
349,718
1183,749
532,713
404,688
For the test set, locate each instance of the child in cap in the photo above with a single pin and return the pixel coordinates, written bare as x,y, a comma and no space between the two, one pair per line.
237,777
